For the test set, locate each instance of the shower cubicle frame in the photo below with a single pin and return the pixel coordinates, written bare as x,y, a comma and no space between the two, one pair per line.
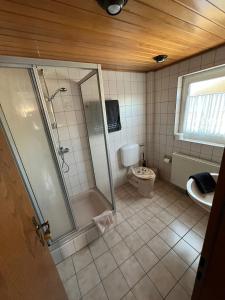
31,64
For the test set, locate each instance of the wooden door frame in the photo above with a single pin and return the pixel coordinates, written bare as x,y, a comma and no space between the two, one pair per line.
209,281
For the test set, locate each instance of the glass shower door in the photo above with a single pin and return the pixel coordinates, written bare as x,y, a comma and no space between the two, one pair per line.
24,124
96,123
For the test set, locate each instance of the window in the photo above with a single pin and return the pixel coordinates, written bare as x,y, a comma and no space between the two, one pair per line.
200,110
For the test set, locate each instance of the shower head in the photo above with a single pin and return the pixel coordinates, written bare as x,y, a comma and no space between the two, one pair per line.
62,89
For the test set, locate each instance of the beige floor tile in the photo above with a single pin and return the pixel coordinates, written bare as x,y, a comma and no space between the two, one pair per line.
98,247
134,242
146,232
186,252
147,217
145,214
135,221
175,265
195,264
165,217
129,296
171,195
146,258
178,227
159,247
155,208
136,206
145,290
188,281
169,236
66,269
82,258
204,220
132,271
164,201
97,293
105,264
188,220
155,196
162,279
156,224
178,293
111,238
72,289
146,201
115,285
200,229
175,210
194,240
88,278
184,202
127,212
121,252
118,218
124,229
120,204
196,211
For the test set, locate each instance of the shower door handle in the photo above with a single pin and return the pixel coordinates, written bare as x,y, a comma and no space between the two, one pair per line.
42,230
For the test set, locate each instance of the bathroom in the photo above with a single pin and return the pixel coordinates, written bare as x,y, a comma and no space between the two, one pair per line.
54,117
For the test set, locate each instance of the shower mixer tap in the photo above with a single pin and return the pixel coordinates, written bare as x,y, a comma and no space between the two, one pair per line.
63,150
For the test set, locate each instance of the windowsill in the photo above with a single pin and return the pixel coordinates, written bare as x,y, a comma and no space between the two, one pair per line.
180,138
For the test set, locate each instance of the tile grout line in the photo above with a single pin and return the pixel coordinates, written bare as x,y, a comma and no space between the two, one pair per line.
101,281
76,275
134,230
171,248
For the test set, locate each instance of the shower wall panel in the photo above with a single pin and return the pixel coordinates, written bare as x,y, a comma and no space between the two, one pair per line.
95,124
71,126
21,111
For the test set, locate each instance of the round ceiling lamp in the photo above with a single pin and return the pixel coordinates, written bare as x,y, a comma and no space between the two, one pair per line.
112,7
160,58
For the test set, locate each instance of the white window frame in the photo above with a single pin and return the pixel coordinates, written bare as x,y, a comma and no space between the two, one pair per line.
182,93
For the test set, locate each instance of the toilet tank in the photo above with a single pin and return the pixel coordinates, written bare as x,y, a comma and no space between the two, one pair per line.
130,154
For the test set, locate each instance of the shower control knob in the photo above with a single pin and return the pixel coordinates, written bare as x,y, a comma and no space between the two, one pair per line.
63,150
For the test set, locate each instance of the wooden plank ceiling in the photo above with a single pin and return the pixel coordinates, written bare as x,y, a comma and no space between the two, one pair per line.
80,30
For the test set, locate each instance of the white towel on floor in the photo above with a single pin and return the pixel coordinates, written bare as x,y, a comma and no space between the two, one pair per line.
104,220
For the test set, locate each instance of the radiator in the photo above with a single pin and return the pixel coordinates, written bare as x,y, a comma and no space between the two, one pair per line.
184,166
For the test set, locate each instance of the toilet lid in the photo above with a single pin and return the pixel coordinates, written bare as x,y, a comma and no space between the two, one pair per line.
143,173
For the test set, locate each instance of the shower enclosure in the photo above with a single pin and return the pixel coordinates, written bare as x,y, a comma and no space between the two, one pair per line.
53,114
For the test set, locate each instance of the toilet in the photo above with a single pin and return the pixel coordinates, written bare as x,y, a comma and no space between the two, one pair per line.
142,178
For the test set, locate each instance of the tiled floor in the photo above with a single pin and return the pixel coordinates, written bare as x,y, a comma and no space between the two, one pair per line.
151,253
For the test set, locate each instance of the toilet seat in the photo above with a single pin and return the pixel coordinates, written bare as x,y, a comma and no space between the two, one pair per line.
143,173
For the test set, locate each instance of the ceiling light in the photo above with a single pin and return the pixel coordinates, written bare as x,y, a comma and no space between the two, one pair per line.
160,58
113,7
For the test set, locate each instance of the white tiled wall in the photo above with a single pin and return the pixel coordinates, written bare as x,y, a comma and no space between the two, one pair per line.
161,102
72,129
142,108
150,118
130,89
